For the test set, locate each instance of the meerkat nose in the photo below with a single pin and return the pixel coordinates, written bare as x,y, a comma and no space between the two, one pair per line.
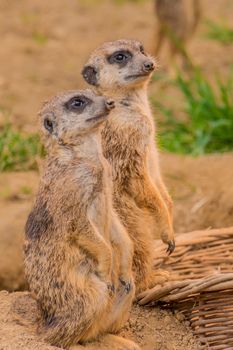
149,66
110,104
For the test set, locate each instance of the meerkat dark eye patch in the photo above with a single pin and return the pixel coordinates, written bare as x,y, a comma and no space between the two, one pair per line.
121,57
48,124
89,73
77,103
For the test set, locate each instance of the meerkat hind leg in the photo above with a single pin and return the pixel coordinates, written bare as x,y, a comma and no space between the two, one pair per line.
159,277
124,245
107,342
142,265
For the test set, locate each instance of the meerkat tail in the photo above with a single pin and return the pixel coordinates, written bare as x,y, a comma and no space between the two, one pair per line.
107,342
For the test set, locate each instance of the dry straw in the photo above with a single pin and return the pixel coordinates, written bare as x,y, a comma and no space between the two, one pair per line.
201,271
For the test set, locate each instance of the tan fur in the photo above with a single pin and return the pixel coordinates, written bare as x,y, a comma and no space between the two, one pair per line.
128,139
73,235
175,27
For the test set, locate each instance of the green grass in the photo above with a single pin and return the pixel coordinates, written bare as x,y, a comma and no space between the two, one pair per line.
26,190
18,151
39,38
29,18
220,32
208,123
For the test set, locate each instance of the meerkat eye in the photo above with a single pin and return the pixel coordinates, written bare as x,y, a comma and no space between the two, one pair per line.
120,57
48,124
77,103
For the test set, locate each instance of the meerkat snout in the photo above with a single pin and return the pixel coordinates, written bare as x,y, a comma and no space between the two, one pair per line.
110,104
149,66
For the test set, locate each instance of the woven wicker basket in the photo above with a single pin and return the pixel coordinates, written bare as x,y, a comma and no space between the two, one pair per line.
201,287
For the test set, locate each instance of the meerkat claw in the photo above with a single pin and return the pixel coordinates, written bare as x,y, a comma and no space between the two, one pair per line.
127,285
171,247
111,288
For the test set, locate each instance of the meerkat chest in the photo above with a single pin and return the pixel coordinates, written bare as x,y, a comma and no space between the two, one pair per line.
134,118
129,132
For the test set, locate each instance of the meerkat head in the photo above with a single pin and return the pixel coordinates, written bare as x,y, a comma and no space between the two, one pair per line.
121,64
72,114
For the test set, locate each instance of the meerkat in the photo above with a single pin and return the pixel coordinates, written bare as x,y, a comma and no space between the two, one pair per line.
175,27
73,236
121,70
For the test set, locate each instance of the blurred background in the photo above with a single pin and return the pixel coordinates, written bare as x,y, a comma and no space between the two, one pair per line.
44,45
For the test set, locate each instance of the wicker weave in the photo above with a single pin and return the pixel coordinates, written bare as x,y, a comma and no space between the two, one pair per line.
201,271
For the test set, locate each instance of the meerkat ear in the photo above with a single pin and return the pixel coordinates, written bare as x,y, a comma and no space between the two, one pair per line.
89,73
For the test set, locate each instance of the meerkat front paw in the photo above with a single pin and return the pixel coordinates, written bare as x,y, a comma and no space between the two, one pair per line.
127,282
171,247
109,283
111,288
167,236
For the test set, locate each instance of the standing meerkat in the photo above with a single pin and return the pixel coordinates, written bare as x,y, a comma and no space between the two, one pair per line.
122,70
73,236
175,27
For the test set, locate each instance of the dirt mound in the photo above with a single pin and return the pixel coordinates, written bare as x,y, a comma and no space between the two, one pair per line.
155,329
151,328
17,323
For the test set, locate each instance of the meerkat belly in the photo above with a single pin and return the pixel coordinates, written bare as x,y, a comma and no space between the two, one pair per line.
95,194
99,212
153,162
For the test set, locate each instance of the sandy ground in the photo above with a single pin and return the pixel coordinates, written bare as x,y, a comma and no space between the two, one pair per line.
43,48
152,329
